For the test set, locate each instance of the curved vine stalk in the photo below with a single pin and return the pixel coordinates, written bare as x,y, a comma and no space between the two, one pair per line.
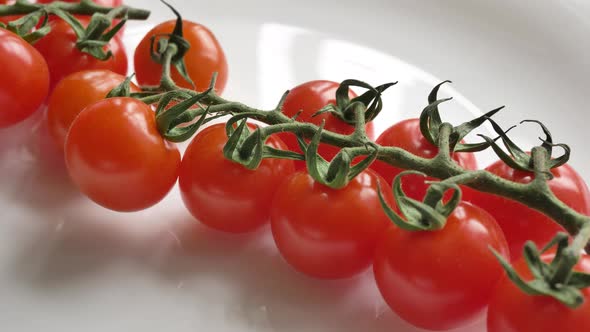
84,7
535,194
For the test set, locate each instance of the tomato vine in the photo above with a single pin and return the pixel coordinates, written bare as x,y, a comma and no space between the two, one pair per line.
176,123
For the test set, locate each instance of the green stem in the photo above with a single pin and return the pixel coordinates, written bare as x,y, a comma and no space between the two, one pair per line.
443,156
24,7
535,194
360,130
570,257
167,83
541,168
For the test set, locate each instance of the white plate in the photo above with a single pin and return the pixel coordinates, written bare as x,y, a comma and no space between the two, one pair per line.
68,265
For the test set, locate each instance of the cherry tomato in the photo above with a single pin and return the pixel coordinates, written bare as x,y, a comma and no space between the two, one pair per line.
328,233
406,135
225,195
309,98
115,155
511,310
74,93
204,58
63,58
106,3
521,223
443,279
24,82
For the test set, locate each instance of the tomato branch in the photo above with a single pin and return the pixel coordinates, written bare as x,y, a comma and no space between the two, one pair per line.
85,7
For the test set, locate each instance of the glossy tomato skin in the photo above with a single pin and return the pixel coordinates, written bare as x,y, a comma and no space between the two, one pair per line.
443,279
24,82
74,93
407,135
115,155
204,58
62,56
309,98
225,195
327,233
511,310
521,223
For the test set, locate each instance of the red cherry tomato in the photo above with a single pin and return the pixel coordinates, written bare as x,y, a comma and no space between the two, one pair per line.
309,98
225,195
511,310
406,135
204,58
63,58
328,233
106,3
521,223
74,93
116,156
24,82
443,279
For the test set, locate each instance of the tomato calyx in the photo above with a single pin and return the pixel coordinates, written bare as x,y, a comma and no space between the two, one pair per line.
557,278
431,122
170,51
25,26
429,215
93,38
175,123
248,148
344,108
520,160
123,89
338,172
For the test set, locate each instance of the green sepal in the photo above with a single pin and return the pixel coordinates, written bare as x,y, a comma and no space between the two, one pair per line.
464,129
579,280
338,172
233,149
121,90
281,103
73,22
430,122
165,118
520,160
181,68
118,12
568,292
176,38
181,134
37,35
248,148
548,145
93,39
429,215
344,109
24,26
435,193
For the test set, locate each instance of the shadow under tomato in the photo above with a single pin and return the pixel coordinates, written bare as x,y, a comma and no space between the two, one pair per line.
32,167
270,294
262,290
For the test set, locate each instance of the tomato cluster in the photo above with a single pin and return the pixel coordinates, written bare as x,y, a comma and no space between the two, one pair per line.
116,155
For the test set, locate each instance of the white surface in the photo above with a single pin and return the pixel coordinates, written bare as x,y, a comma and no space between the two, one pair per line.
68,265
